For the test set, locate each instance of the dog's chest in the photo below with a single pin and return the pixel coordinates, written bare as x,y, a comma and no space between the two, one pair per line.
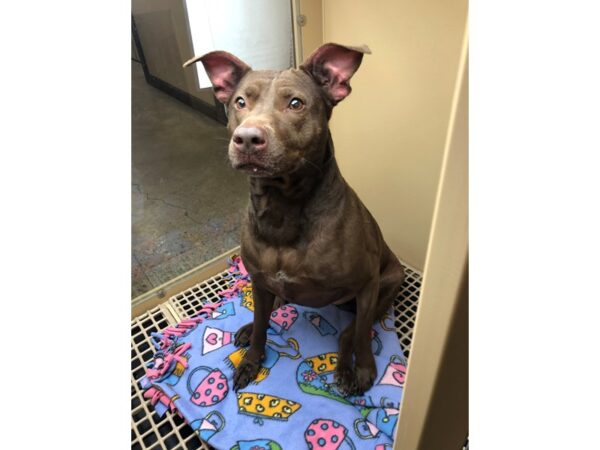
303,290
297,281
286,286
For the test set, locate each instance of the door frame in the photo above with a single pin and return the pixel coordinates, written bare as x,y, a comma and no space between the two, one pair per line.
216,111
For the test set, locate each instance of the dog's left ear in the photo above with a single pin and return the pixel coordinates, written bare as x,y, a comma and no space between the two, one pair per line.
332,66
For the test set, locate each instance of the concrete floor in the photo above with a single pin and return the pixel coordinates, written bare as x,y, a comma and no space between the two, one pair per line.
187,202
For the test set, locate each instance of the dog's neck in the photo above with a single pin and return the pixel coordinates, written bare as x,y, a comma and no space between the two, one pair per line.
277,204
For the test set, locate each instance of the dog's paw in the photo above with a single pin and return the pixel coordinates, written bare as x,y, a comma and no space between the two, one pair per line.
364,377
344,378
243,335
246,373
355,381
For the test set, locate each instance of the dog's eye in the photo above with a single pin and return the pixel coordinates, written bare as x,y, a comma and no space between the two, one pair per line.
240,103
296,104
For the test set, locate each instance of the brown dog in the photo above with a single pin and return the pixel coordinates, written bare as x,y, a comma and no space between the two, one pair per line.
306,238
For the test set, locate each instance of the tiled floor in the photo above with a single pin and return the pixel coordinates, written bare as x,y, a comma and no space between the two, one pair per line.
186,200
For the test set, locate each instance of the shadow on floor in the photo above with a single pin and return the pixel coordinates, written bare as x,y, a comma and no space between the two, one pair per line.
187,202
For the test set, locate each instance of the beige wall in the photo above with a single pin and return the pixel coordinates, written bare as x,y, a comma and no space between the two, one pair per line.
434,407
390,133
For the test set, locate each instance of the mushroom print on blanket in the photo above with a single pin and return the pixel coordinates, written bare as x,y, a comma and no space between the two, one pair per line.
327,434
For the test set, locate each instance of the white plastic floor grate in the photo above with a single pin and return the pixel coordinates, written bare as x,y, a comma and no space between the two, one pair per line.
188,302
148,430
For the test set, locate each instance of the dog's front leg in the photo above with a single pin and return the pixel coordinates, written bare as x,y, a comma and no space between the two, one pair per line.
365,370
244,334
250,365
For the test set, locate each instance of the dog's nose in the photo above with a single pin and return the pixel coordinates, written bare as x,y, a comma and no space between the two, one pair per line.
249,139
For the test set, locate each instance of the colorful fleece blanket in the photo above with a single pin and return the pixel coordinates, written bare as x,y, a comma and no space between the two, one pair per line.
294,402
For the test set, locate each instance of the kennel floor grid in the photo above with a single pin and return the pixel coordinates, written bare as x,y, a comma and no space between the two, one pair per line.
170,432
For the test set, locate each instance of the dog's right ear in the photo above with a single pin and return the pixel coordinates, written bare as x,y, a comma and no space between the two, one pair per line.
224,70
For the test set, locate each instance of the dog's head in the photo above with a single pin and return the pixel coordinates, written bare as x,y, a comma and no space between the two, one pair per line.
279,120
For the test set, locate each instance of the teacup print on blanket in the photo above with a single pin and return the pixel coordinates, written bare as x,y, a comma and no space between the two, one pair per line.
295,402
